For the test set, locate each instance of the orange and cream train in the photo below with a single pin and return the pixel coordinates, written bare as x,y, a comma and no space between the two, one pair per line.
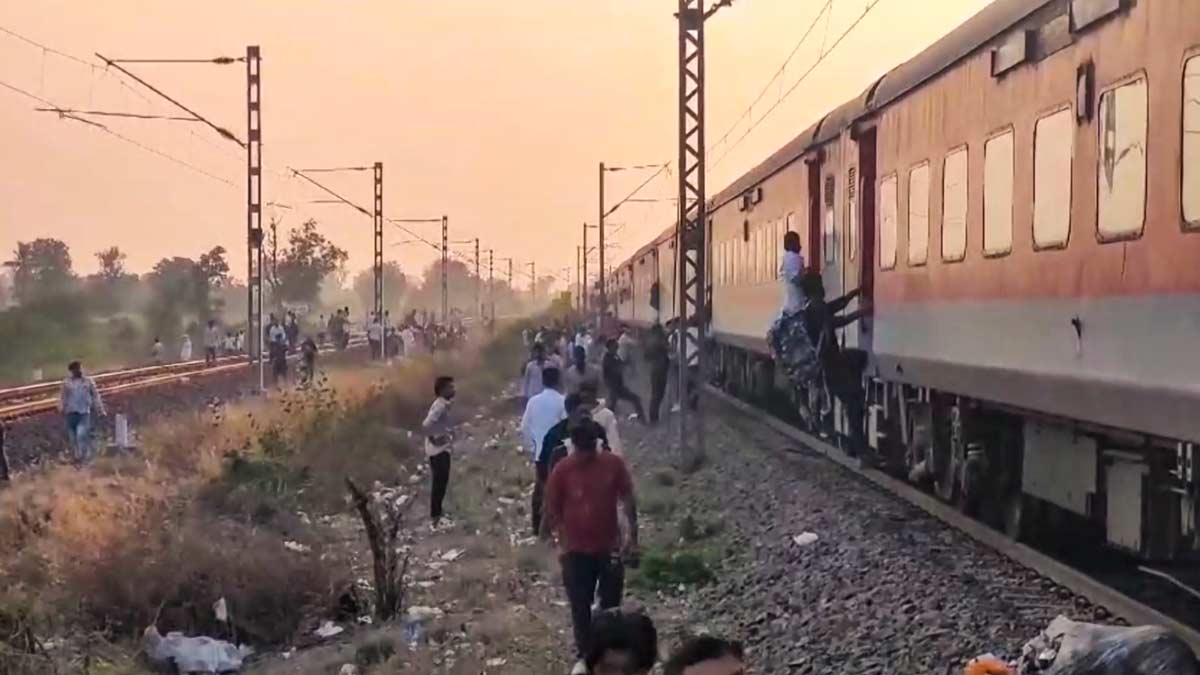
1021,204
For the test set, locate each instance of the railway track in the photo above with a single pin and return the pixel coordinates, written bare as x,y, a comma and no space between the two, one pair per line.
1100,593
42,397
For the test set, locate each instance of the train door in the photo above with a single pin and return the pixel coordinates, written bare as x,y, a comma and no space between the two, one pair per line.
831,247
866,228
812,255
849,226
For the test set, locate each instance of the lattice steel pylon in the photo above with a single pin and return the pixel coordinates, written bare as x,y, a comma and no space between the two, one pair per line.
378,217
254,231
690,231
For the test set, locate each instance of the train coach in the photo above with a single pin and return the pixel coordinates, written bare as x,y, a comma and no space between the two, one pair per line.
1020,205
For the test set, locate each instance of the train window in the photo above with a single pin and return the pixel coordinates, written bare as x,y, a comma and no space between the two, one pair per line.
830,243
852,213
918,214
954,206
1052,150
1121,174
998,194
888,212
1191,142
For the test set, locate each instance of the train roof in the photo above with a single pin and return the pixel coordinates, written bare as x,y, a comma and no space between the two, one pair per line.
973,34
959,43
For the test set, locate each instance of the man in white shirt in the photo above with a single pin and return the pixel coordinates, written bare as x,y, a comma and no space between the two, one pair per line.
438,428
601,415
542,412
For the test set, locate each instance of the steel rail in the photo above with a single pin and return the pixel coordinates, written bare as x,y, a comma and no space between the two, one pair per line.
1119,604
154,376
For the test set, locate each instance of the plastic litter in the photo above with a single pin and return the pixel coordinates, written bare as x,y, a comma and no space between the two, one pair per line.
453,554
1069,647
987,664
328,629
805,538
221,610
495,663
296,547
193,654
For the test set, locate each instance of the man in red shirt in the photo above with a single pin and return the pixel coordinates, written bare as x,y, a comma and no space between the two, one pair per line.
581,506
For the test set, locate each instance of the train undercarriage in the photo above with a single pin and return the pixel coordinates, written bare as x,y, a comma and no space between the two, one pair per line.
1054,483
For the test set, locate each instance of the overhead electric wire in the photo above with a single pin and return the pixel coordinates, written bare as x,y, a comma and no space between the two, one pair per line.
661,168
820,58
219,129
109,113
778,72
44,48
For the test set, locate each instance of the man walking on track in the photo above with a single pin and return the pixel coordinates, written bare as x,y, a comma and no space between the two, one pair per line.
80,401
543,411
438,428
581,506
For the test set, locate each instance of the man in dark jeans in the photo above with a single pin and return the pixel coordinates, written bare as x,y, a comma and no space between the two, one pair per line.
659,359
581,506
614,378
438,428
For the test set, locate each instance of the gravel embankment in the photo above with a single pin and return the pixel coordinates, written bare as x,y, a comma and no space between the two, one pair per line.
885,588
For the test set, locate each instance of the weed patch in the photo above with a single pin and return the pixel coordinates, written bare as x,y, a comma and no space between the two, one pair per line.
662,570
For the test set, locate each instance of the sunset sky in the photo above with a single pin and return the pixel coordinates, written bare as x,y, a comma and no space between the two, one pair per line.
495,113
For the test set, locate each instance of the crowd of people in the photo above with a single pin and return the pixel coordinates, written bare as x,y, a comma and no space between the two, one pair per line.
583,492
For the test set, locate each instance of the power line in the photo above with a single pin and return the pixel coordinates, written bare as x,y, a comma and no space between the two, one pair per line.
220,130
820,58
778,72
44,48
661,168
108,113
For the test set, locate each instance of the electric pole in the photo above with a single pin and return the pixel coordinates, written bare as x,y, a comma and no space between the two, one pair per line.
379,258
690,228
578,278
445,262
491,289
254,232
533,282
510,278
584,295
478,281
600,225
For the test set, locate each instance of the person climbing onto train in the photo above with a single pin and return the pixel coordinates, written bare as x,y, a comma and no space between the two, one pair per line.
658,357
792,346
581,507
842,371
80,404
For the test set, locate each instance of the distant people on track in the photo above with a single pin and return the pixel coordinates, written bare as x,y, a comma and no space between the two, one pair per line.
707,655
308,355
157,351
614,379
80,404
292,330
582,495
621,643
185,348
438,428
212,342
277,352
544,410
658,358
531,377
276,331
374,335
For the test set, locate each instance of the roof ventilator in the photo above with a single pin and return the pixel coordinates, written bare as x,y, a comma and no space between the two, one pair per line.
1016,49
1084,13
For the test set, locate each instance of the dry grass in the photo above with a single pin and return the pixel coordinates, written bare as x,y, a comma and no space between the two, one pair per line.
202,511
